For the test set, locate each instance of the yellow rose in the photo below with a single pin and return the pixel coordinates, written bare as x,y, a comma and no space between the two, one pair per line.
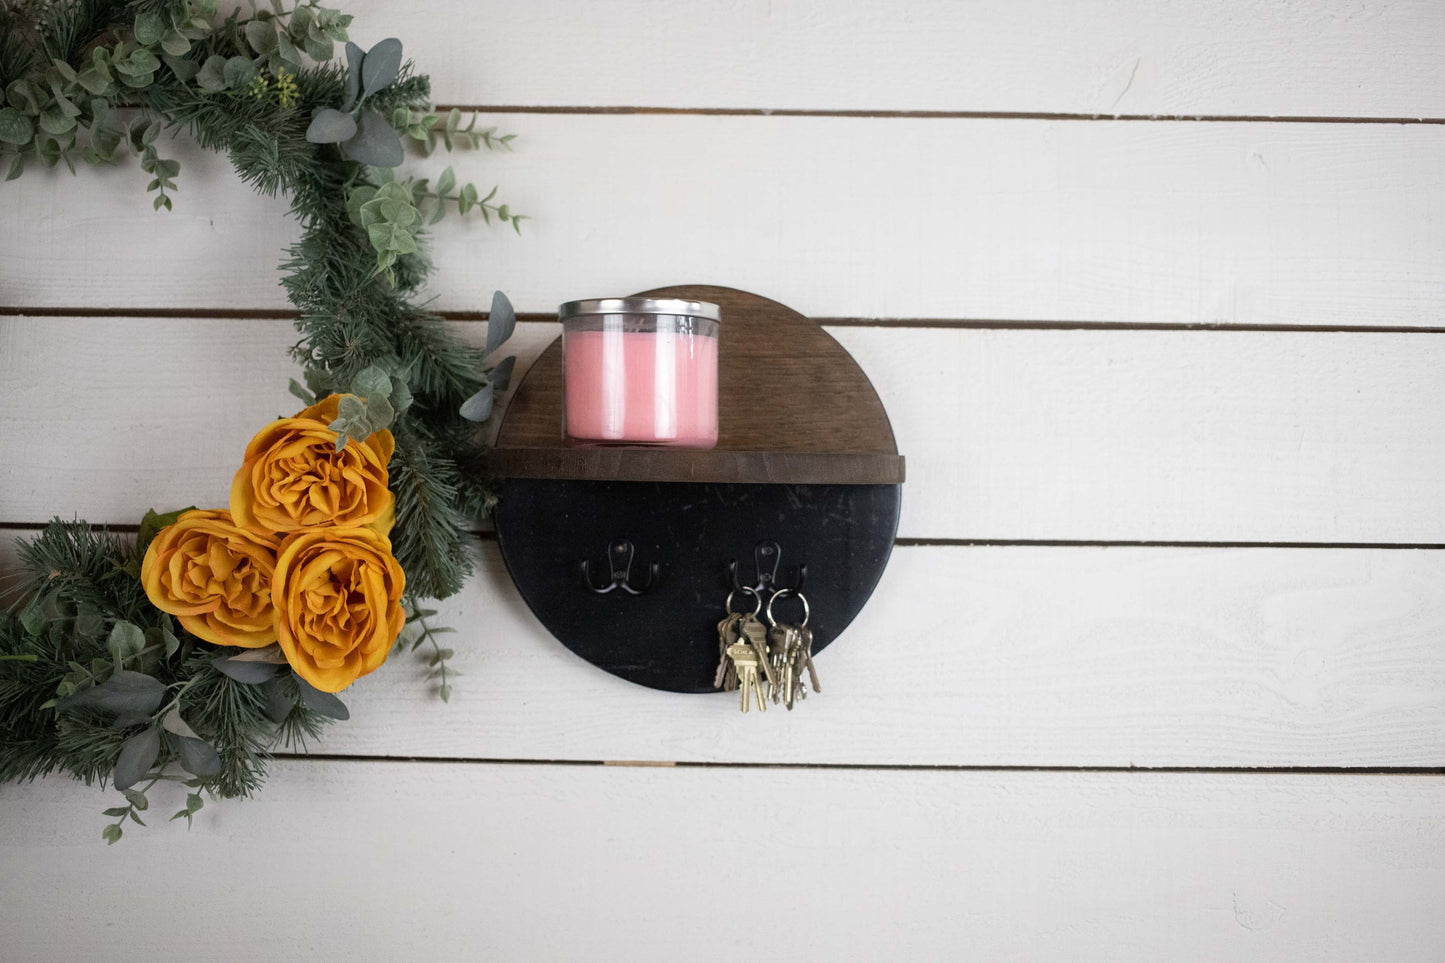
214,577
294,480
337,595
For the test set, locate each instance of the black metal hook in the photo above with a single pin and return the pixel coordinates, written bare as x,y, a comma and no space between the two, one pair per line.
619,556
767,556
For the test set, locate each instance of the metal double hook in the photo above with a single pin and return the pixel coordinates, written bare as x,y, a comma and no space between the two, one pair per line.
619,557
767,556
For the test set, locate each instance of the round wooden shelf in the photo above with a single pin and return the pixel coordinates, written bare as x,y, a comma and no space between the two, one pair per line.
794,408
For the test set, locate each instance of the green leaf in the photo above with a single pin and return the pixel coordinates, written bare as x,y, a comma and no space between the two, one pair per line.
148,28
267,653
54,120
137,755
17,167
279,700
125,642
446,182
152,525
261,35
176,725
356,201
246,673
160,202
321,703
111,834
125,691
381,65
117,812
330,127
93,81
15,127
391,237
479,406
176,44
136,798
501,322
299,390
372,382
238,72
212,75
446,693
375,143
501,375
198,757
185,70
354,56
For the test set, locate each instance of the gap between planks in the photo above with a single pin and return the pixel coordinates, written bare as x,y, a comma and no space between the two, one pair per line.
962,324
875,767
934,114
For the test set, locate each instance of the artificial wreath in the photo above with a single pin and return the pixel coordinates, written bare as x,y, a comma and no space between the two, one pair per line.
193,649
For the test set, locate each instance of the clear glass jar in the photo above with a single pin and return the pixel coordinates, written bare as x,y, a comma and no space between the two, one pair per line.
639,371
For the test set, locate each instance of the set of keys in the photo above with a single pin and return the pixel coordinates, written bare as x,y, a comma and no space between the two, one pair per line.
765,663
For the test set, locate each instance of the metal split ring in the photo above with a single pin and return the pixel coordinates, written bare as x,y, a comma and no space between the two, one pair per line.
779,594
729,603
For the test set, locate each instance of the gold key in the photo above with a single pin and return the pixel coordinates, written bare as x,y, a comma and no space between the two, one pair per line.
726,678
756,635
745,659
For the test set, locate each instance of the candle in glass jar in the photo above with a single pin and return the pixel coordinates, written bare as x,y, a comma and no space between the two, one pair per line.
635,375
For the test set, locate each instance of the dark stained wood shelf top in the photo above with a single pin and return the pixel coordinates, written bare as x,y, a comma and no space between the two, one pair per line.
793,408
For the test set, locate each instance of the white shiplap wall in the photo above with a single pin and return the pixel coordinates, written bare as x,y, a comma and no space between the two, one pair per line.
1286,455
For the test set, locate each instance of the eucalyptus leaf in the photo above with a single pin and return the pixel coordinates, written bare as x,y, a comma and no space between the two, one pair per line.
173,723
17,167
321,703
354,57
501,322
479,406
279,700
197,756
376,144
239,72
148,28
261,35
381,65
89,623
372,382
330,126
267,653
212,75
137,799
125,642
185,70
125,691
247,673
501,375
111,834
300,391
137,755
176,43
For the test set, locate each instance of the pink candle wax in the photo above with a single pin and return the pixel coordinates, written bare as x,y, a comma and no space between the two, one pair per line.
641,387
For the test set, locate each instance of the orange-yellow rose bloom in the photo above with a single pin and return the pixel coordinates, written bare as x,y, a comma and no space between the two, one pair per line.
214,577
337,594
293,479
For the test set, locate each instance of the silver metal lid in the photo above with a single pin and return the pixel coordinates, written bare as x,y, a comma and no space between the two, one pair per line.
691,309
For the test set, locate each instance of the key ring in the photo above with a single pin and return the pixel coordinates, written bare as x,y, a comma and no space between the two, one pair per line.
779,594
729,603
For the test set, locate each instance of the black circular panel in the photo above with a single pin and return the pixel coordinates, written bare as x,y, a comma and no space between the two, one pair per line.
666,636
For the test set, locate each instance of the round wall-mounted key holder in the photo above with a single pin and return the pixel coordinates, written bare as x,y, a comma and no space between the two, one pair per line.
627,555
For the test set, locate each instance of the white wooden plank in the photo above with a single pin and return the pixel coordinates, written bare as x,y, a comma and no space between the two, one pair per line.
840,217
1114,435
374,860
1317,57
988,656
